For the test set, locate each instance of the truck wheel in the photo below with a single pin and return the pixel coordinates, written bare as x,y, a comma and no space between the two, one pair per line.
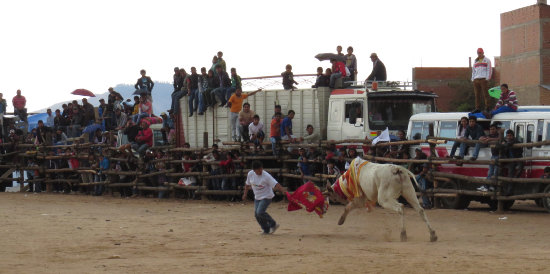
458,202
493,204
546,201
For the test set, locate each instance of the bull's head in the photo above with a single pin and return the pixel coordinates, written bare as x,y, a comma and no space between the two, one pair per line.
332,195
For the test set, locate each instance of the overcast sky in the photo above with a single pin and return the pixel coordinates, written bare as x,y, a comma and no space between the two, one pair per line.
49,48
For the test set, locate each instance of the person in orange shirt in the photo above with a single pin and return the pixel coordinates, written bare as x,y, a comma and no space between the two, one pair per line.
235,105
275,132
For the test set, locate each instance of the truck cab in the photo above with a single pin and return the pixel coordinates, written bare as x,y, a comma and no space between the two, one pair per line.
359,112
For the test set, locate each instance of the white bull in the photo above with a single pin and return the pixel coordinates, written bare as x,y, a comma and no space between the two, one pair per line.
384,183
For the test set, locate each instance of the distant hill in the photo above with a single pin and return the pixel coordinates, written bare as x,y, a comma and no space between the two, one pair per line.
161,97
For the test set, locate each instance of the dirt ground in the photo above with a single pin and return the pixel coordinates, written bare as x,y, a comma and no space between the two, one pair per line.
55,233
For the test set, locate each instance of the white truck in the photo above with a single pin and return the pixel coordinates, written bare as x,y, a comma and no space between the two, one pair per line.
351,113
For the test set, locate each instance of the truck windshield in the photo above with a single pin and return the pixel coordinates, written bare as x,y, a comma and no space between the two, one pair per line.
394,113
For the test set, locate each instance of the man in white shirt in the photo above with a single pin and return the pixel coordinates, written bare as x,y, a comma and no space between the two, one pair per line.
256,132
262,184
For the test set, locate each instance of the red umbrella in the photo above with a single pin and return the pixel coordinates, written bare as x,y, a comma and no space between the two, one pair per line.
83,92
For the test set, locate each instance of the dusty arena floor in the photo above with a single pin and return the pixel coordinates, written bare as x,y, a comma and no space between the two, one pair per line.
55,233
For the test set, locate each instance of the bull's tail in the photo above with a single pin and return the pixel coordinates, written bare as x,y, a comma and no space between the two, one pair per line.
404,173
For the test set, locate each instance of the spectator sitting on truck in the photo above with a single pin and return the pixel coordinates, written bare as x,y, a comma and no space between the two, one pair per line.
338,71
193,92
235,104
378,69
121,119
474,131
508,101
275,132
245,118
222,85
205,88
286,127
256,132
288,78
463,125
514,168
317,79
493,136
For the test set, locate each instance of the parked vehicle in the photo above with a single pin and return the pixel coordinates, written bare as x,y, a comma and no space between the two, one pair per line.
530,124
335,113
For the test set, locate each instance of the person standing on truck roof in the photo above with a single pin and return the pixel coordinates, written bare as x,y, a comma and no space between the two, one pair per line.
235,104
378,69
220,61
474,131
338,71
339,50
481,74
351,63
288,78
19,102
508,101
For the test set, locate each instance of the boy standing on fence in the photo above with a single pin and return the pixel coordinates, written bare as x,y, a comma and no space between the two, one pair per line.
262,184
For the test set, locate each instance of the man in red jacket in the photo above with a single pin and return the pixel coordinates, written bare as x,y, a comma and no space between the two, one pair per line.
338,71
144,139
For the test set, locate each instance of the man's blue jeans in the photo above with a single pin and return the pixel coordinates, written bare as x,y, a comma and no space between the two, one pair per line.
274,141
463,149
333,78
176,96
263,218
193,100
502,109
221,94
493,169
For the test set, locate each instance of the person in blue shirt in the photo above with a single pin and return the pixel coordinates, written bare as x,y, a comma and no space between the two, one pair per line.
286,127
100,177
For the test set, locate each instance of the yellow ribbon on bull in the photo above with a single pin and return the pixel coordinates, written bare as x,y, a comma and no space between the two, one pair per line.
349,181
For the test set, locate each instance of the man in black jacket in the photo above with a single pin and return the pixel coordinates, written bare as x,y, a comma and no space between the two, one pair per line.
378,69
222,83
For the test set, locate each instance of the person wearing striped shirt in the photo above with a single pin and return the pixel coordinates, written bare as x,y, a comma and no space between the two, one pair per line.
508,101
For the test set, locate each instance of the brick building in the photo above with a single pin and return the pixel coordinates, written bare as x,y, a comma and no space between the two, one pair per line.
524,62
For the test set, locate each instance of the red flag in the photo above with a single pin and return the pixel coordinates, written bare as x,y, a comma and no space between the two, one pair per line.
310,196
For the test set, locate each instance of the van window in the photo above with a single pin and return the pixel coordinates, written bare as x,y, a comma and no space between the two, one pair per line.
335,116
530,132
504,124
520,135
448,129
420,130
354,112
547,131
394,113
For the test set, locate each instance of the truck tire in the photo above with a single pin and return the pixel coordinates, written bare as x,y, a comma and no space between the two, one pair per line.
459,202
546,201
